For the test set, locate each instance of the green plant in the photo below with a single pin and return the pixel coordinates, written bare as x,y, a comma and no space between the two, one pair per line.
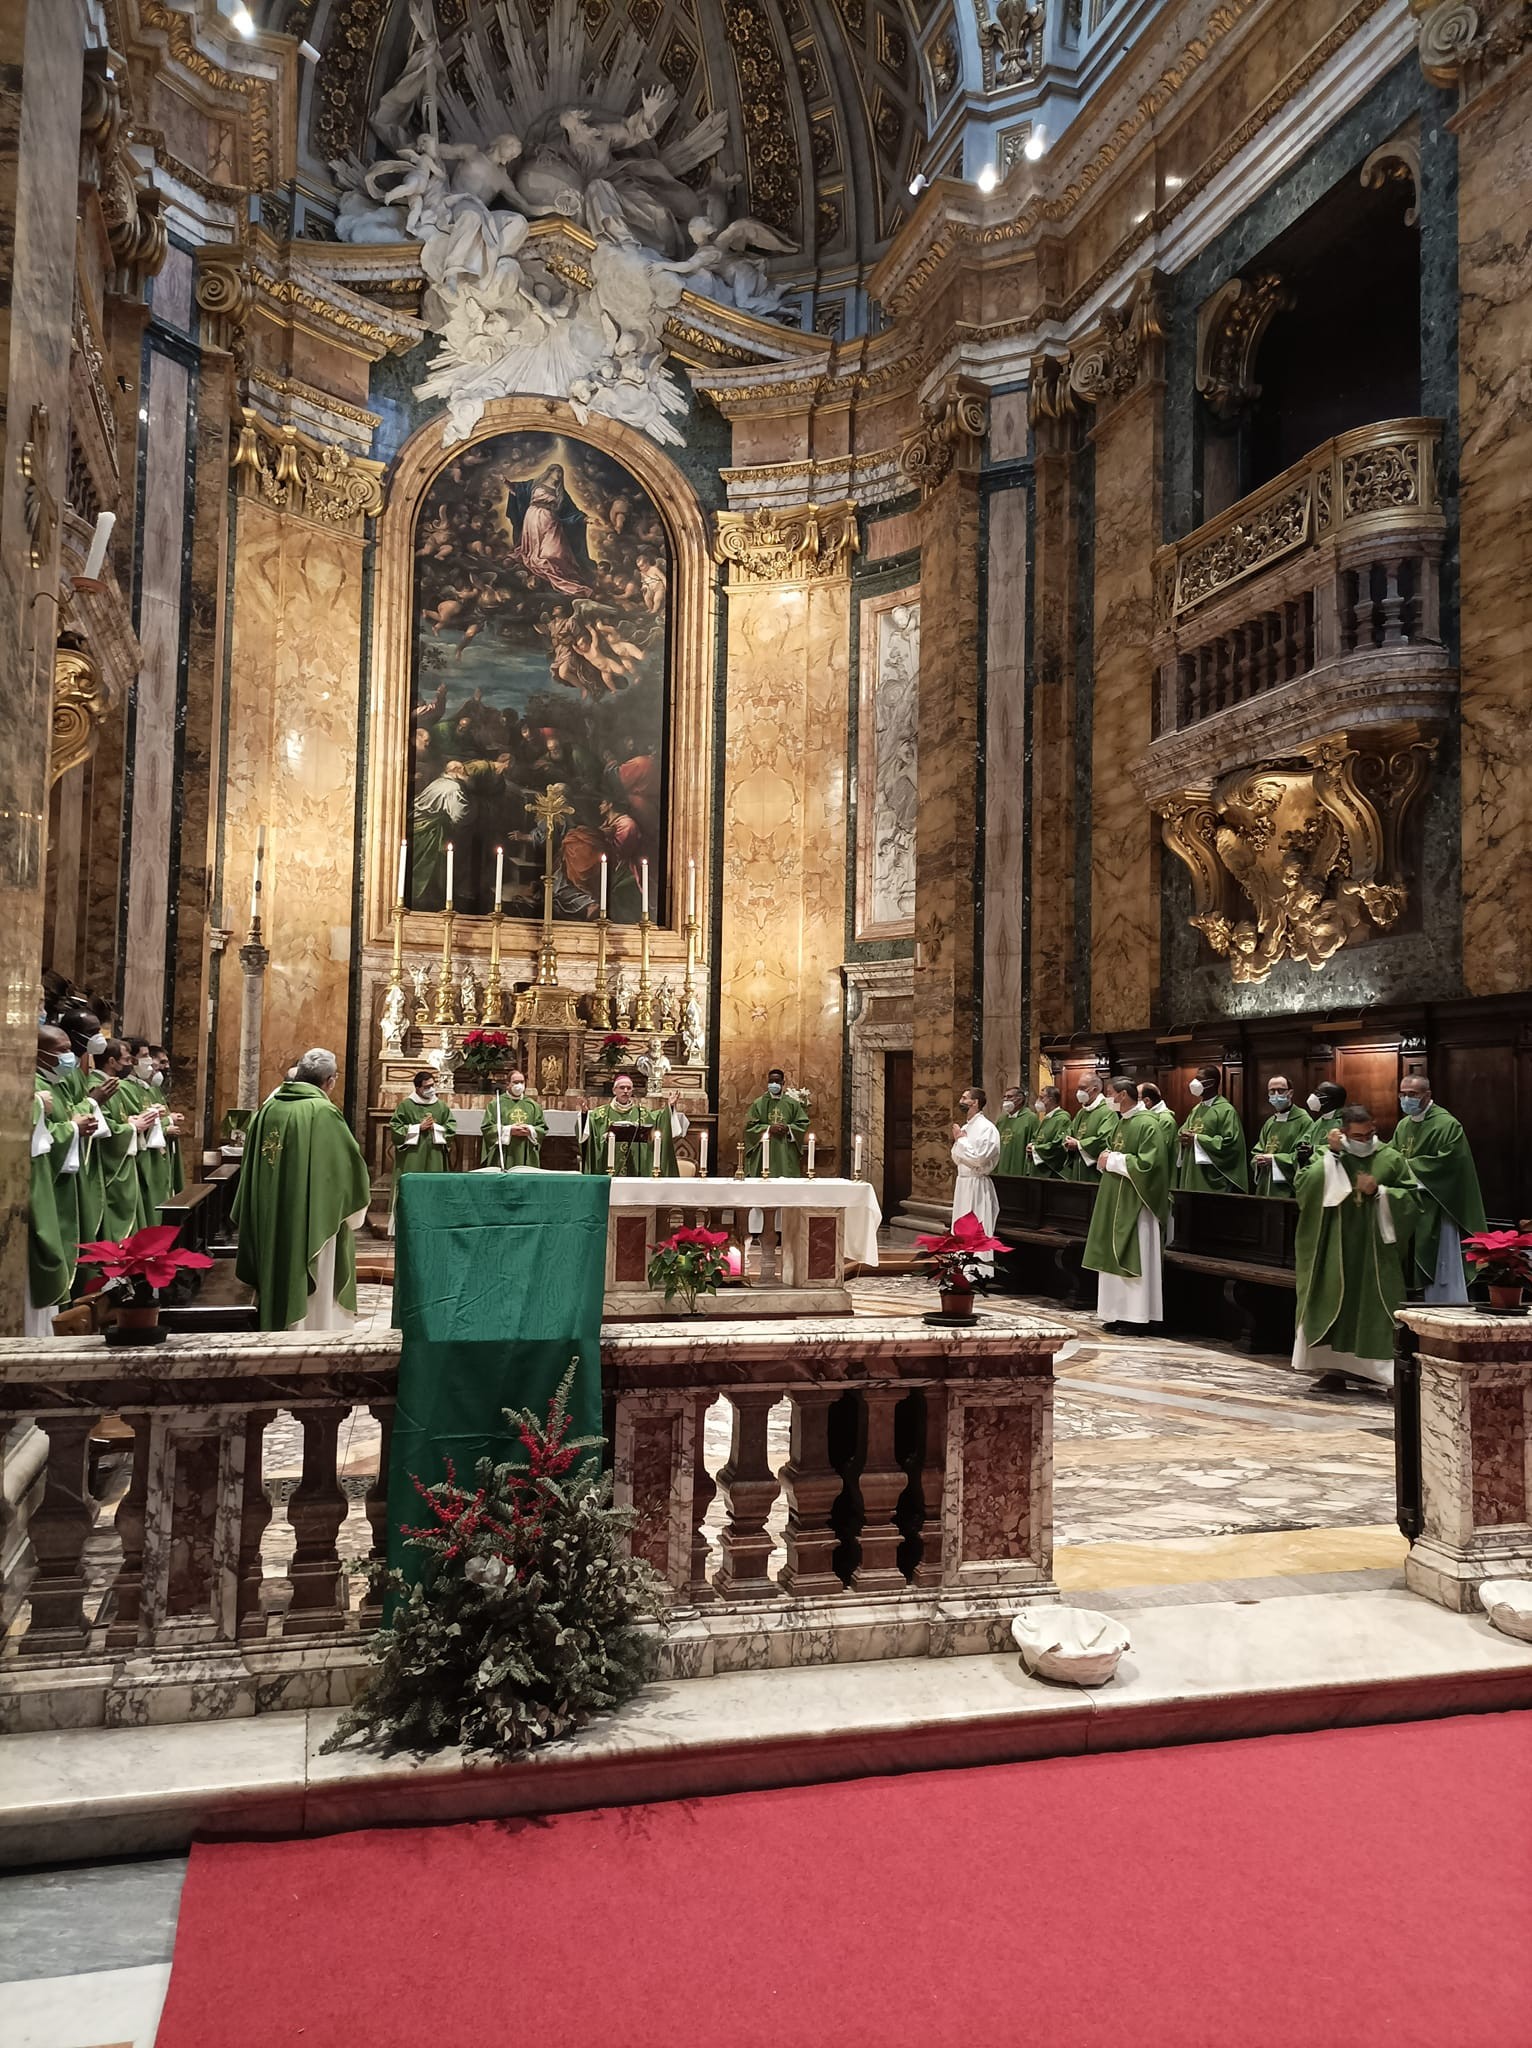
523,1619
956,1256
134,1271
690,1263
483,1054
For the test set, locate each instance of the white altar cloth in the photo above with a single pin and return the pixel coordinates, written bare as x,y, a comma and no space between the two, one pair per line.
854,1197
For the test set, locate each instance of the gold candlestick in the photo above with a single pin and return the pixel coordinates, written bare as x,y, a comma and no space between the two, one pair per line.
548,809
442,1014
643,1007
600,1000
494,999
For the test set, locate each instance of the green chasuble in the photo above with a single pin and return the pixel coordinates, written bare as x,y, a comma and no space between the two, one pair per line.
498,1287
1436,1147
512,1113
70,1097
157,1165
302,1178
50,1255
1046,1154
633,1156
66,1186
1016,1133
1215,1126
417,1151
1281,1136
1321,1128
1111,1245
172,1153
1092,1125
1350,1280
1165,1130
117,1150
786,1153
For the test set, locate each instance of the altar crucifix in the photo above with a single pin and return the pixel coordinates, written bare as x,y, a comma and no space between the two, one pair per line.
545,1008
548,809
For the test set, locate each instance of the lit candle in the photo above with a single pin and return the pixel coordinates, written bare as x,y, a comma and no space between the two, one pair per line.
449,874
611,1152
691,891
856,1157
643,886
255,886
811,1151
404,856
603,885
702,1163
499,874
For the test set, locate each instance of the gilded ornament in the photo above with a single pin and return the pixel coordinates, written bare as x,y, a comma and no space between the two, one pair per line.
1231,326
39,506
80,702
1011,36
1396,162
951,433
809,544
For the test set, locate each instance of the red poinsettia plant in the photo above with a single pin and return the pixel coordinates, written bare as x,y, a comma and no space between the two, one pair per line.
484,1052
1500,1258
138,1267
689,1263
614,1048
955,1256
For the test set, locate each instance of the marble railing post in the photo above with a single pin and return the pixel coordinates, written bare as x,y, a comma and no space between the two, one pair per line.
812,1486
130,1522
254,1520
316,1510
881,1482
750,1487
59,1530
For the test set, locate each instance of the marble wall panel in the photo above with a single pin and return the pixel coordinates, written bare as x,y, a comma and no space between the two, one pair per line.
783,848
1005,752
1495,400
1050,849
888,764
898,534
61,941
1125,919
292,759
946,849
167,398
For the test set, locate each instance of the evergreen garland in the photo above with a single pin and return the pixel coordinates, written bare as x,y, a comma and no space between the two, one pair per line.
522,1621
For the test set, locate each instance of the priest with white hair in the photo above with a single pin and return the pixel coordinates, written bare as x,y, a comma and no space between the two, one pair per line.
303,1192
976,1154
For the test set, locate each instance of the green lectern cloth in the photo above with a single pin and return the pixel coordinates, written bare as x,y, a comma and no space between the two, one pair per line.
498,1281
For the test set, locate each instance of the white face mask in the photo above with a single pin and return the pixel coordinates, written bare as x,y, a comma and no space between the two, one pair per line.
426,1094
1360,1147
1313,1105
1196,1088
1038,1106
65,1061
773,1088
144,1068
1413,1105
95,1046
517,1090
1084,1095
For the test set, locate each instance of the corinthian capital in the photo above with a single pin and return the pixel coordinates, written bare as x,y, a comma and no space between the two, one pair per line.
951,434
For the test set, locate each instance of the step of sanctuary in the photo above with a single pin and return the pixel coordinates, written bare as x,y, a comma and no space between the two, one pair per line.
1195,1673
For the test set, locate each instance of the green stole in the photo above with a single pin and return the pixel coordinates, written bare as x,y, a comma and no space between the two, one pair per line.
66,1186
1048,1144
1015,1135
50,1255
509,1110
1436,1146
303,1175
1350,1282
1216,1126
632,1155
1111,1244
1281,1135
786,1153
1092,1125
123,1212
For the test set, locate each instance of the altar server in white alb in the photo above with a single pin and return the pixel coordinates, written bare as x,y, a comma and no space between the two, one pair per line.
976,1154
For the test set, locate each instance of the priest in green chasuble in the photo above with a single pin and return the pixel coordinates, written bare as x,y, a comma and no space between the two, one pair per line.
1164,1123
130,1117
1089,1129
1325,1106
1357,1206
159,1156
1124,1245
1017,1126
1046,1152
1451,1207
1273,1157
303,1191
50,1256
422,1130
628,1123
71,1096
69,1120
1211,1141
511,1136
776,1126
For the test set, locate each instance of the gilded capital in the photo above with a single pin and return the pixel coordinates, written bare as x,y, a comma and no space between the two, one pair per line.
808,544
293,473
1464,46
951,434
1125,348
80,700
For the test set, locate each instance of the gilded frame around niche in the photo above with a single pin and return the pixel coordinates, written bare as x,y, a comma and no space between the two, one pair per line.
690,762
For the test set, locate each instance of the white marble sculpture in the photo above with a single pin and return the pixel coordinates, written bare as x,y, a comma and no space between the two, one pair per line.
691,1031
395,1018
476,169
1508,1603
1072,1644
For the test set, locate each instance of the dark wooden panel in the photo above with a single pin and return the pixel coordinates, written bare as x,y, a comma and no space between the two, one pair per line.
630,1247
898,1128
1251,1230
1478,1083
1370,1073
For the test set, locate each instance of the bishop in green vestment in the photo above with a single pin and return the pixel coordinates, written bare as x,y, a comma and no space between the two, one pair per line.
514,1128
1017,1127
1273,1157
1212,1141
777,1124
303,1190
50,1260
1357,1205
422,1130
1046,1155
629,1154
1450,1205
1089,1129
1125,1242
129,1120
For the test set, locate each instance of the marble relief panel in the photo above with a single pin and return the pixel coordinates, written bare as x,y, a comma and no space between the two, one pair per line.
888,771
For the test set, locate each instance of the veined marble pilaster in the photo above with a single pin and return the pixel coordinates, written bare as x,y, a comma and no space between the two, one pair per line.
1005,711
784,818
1051,852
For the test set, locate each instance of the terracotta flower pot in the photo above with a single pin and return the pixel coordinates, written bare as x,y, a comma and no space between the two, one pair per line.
1505,1297
139,1323
957,1302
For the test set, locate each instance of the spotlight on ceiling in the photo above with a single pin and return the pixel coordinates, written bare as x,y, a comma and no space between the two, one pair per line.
1035,144
918,184
241,18
309,54
988,178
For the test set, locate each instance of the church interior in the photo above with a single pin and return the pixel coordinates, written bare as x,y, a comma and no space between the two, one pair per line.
783,732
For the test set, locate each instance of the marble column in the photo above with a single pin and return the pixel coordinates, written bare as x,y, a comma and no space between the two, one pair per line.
1005,712
1495,514
946,842
781,1001
42,46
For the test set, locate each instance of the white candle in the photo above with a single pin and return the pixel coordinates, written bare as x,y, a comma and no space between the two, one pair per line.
811,1151
105,521
655,1135
856,1157
603,885
702,1163
449,874
691,890
643,886
499,874
404,857
255,886
611,1152
765,1154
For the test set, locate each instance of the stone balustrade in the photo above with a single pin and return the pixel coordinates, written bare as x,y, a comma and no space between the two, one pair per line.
917,1498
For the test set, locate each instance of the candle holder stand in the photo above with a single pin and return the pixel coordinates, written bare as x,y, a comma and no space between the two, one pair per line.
494,993
643,1006
253,960
600,996
442,1013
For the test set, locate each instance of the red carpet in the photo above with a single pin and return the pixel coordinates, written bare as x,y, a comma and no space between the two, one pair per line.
1348,1889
